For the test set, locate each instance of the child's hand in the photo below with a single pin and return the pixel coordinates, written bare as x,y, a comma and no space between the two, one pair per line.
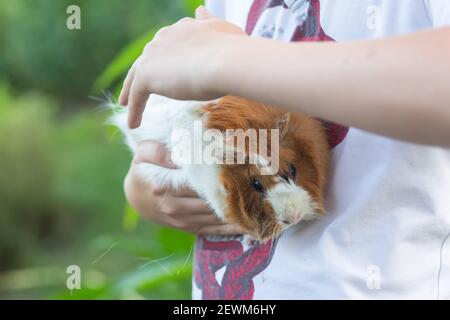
180,209
178,63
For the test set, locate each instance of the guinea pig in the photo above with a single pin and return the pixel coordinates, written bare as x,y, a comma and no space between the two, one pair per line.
264,202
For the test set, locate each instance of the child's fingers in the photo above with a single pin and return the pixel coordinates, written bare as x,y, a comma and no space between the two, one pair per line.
155,153
124,93
224,229
136,102
183,209
184,192
202,14
204,220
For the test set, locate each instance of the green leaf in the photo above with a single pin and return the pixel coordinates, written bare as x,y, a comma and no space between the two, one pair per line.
31,278
155,275
130,219
191,5
122,62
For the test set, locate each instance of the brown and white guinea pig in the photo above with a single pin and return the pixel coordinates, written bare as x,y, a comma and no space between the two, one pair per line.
240,193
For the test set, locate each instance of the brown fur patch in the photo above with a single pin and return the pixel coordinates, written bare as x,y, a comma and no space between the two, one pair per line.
303,144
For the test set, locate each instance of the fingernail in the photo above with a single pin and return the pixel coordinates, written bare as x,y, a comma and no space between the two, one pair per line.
122,102
133,123
169,161
159,191
137,121
200,9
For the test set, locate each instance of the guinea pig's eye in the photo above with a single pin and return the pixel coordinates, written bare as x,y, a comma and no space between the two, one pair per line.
292,170
257,185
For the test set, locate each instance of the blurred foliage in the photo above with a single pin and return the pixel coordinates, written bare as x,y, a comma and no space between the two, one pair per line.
62,168
123,61
61,203
26,164
43,54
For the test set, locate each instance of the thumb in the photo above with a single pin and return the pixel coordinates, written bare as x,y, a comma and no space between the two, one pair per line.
201,13
155,153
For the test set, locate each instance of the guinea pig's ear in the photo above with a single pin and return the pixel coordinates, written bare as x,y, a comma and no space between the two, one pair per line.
283,124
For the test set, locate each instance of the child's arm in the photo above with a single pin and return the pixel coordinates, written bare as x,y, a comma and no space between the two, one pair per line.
398,87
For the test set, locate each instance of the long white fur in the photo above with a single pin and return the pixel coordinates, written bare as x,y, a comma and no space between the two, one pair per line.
161,117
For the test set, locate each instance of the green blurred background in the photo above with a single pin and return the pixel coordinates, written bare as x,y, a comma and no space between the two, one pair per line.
62,167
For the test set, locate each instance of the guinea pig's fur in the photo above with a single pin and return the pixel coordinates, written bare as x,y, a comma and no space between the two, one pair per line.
265,205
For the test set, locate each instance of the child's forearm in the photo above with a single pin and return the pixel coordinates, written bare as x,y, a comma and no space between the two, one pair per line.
397,87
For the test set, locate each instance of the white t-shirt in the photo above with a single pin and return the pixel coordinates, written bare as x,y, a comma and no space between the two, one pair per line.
388,202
